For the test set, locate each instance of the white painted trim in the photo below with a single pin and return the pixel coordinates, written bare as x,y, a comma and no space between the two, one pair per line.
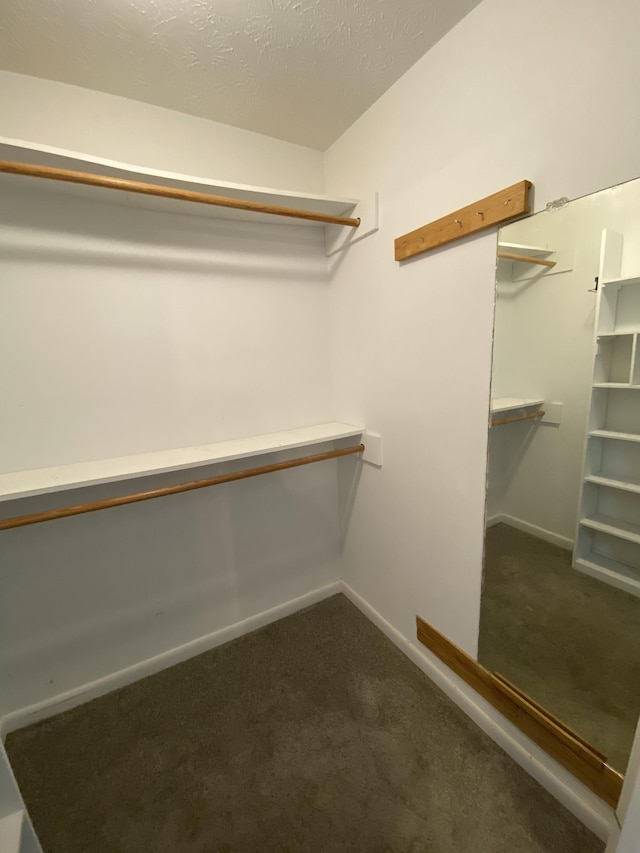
11,832
612,845
72,698
576,797
526,526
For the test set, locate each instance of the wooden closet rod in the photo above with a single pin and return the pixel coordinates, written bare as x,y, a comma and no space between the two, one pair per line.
92,180
511,256
80,509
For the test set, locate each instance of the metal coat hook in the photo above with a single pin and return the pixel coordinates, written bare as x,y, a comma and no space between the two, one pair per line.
480,214
458,221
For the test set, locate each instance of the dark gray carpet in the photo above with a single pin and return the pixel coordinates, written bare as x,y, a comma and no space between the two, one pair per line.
568,640
313,734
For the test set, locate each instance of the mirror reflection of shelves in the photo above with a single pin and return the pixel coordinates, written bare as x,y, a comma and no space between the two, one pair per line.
608,535
617,363
519,253
513,409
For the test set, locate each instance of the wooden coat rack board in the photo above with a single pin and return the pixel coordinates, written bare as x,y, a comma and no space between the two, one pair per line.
499,207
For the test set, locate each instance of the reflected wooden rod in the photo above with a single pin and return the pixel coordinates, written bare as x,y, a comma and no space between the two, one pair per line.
518,418
527,259
92,180
80,509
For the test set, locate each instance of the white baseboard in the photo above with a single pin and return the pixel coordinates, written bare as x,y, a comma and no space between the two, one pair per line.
78,696
576,797
533,529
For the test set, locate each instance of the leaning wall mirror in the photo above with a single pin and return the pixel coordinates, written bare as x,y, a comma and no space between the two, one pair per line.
560,609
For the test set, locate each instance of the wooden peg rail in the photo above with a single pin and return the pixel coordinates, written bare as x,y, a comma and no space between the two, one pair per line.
89,179
499,207
137,497
518,418
572,751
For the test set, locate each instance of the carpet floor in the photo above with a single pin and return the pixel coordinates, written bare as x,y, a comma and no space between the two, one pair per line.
568,640
312,734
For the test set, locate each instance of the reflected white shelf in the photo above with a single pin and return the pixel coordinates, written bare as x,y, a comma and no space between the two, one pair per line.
42,481
511,404
616,385
618,436
612,482
611,571
41,155
620,282
613,526
522,249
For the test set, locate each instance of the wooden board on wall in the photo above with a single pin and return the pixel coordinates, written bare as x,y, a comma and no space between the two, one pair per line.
500,207
569,749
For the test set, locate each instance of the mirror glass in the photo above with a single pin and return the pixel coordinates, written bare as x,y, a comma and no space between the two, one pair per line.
560,614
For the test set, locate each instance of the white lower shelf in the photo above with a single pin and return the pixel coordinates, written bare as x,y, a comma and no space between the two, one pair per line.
510,404
11,832
628,485
620,282
617,436
616,385
613,572
42,481
613,526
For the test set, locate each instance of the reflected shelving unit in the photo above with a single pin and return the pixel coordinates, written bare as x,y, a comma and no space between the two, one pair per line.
521,254
608,535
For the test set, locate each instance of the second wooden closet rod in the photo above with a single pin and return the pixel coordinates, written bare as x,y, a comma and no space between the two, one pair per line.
80,509
92,180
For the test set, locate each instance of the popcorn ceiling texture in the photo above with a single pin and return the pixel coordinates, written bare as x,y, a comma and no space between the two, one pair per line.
299,70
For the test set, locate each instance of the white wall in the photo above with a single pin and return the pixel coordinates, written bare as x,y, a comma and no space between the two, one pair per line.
125,331
75,119
497,100
517,90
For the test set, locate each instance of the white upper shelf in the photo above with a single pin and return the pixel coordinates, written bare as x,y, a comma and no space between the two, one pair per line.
522,249
21,484
620,282
511,404
41,155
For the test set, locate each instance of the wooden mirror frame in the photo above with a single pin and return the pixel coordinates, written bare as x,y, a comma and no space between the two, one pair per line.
557,739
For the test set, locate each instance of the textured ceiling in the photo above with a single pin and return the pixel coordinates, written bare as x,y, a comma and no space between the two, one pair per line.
300,70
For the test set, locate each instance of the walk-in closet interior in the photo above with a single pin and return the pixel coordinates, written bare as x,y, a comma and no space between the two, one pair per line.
320,426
